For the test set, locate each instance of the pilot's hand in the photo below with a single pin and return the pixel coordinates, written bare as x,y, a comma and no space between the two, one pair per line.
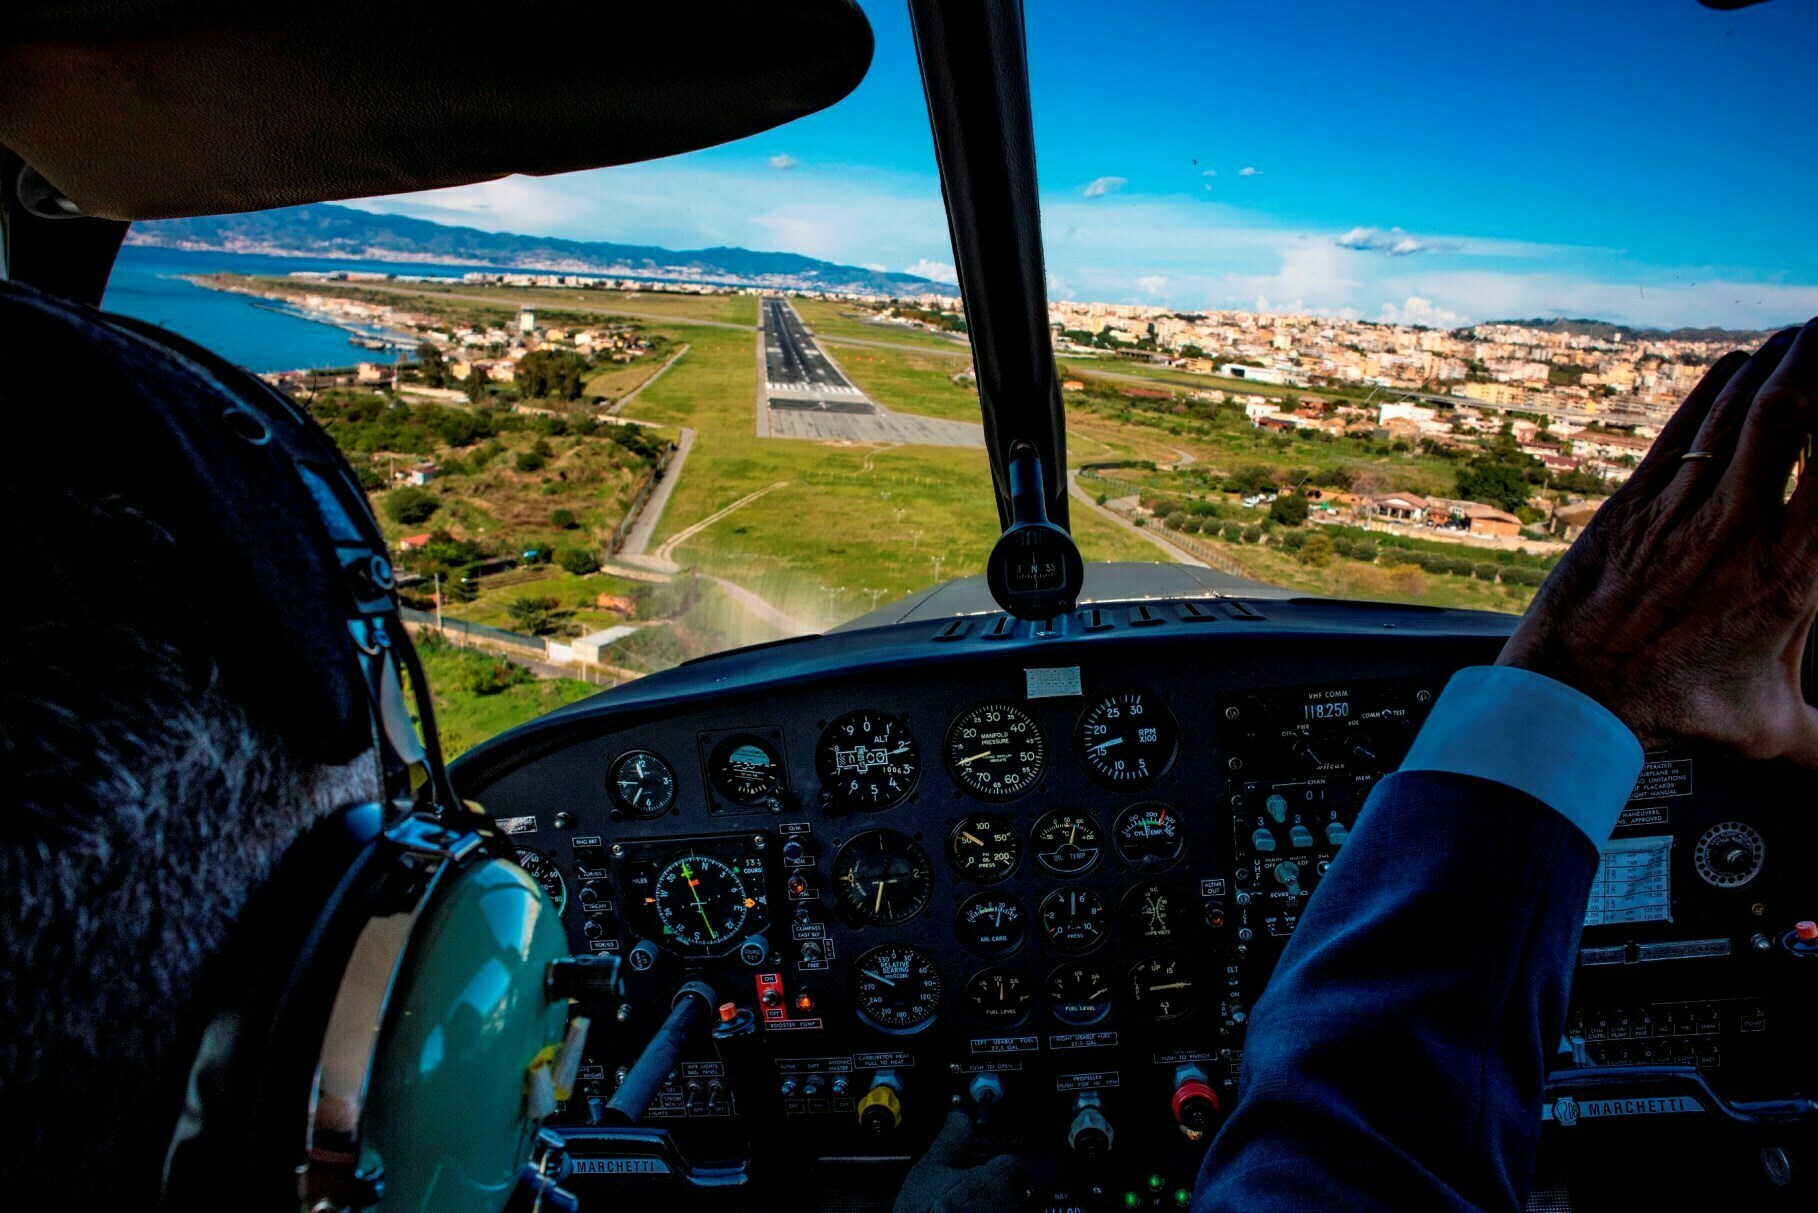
951,1179
1684,606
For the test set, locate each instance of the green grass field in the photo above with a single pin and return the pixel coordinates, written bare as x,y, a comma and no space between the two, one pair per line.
466,717
849,518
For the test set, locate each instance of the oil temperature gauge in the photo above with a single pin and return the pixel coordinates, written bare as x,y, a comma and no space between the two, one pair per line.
1067,843
991,924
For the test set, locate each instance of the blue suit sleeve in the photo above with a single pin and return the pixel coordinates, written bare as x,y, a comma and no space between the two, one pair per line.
1396,1059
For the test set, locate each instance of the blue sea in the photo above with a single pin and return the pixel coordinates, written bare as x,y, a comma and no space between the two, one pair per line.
147,283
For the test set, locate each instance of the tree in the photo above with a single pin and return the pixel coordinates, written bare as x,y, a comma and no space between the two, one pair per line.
475,385
1317,550
564,519
1289,509
429,365
579,561
534,615
551,374
410,505
1493,482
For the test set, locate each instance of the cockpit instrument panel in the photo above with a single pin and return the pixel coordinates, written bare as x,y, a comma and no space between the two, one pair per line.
1072,898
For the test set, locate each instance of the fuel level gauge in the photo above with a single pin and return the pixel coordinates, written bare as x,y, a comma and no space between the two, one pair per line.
1079,994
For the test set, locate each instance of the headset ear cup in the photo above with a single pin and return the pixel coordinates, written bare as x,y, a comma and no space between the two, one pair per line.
268,999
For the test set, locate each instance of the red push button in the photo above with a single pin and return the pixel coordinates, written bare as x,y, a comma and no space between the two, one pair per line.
1806,932
1195,1105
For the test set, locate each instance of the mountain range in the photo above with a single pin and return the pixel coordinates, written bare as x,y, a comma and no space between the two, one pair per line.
1603,330
341,232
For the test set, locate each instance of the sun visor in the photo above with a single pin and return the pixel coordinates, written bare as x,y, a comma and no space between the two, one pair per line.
151,109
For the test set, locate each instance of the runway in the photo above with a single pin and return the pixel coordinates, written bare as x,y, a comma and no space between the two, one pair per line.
807,396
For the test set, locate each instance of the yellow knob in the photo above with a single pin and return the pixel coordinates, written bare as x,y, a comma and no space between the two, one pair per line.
880,1110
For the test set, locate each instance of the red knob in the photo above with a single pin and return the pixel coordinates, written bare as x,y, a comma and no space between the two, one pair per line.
1195,1105
1806,931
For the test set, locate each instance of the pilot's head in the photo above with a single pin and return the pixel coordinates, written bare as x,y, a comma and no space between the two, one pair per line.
148,791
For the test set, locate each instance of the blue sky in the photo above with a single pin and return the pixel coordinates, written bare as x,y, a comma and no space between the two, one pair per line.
1649,161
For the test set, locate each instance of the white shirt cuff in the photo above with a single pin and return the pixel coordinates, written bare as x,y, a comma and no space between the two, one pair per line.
1539,736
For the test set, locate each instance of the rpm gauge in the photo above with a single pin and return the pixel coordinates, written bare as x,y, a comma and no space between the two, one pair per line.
1149,836
641,783
1067,843
984,847
896,989
996,751
700,901
1127,740
746,770
546,874
867,760
883,877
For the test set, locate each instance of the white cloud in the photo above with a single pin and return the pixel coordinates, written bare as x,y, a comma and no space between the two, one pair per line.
1212,254
876,267
1394,242
1105,185
939,271
1420,311
1152,284
1210,172
783,161
1248,171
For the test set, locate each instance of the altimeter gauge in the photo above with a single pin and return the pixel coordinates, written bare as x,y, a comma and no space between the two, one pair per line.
867,760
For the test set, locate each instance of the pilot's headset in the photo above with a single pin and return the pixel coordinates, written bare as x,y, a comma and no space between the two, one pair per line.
383,1028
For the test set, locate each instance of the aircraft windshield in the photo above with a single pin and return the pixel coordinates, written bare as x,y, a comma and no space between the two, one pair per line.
1365,301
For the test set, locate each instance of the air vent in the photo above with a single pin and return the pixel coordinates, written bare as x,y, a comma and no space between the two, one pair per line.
1096,621
1192,612
1143,617
1240,610
1002,628
955,630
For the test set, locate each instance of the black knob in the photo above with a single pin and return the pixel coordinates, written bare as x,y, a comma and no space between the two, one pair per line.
1734,859
591,892
592,928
